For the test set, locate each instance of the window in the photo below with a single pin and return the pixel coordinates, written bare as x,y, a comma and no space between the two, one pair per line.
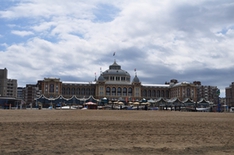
158,93
119,91
129,91
162,93
188,92
68,91
145,93
154,93
124,91
108,91
87,91
93,91
167,93
112,78
82,91
51,89
78,91
113,91
63,90
149,93
73,91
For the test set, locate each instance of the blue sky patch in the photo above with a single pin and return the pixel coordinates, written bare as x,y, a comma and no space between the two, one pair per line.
105,13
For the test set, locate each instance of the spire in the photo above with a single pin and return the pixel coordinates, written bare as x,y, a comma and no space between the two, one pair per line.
100,70
95,79
136,79
135,72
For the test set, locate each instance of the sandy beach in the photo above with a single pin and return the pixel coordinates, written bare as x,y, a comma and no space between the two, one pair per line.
115,132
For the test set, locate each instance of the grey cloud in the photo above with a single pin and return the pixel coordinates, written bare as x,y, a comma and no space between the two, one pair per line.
162,40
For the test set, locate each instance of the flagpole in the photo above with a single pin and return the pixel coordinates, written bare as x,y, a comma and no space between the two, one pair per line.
114,56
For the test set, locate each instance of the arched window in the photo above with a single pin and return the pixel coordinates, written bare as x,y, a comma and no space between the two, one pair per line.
73,91
108,91
113,91
145,93
162,93
188,93
154,93
68,91
167,93
119,91
130,91
82,91
51,88
87,91
158,93
78,91
63,91
124,91
149,93
93,91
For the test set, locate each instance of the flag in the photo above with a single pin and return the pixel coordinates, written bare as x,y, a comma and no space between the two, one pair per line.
114,54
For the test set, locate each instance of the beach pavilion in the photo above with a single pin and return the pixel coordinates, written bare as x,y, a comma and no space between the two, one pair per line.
46,102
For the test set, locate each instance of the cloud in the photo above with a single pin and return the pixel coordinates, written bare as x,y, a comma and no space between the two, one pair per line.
22,33
188,40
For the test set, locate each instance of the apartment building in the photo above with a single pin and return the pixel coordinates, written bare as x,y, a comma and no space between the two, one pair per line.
8,87
229,91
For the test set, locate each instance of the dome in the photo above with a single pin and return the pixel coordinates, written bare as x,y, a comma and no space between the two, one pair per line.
101,78
116,72
116,75
115,69
136,79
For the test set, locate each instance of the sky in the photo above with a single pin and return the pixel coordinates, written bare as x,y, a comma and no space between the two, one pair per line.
75,39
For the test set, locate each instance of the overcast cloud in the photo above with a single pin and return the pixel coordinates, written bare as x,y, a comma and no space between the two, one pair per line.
73,39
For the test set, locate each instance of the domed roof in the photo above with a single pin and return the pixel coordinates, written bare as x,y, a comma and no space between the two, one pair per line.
101,78
116,72
115,69
115,75
135,79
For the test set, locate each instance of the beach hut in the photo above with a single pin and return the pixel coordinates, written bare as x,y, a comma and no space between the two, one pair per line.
161,103
203,105
91,105
189,105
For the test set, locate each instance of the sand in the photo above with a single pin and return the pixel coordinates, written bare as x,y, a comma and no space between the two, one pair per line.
115,132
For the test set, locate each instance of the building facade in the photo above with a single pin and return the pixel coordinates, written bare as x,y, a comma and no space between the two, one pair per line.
229,91
50,87
207,92
116,84
30,93
8,87
20,93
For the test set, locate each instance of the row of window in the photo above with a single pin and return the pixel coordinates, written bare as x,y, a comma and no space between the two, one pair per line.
118,91
117,78
78,91
155,93
115,92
